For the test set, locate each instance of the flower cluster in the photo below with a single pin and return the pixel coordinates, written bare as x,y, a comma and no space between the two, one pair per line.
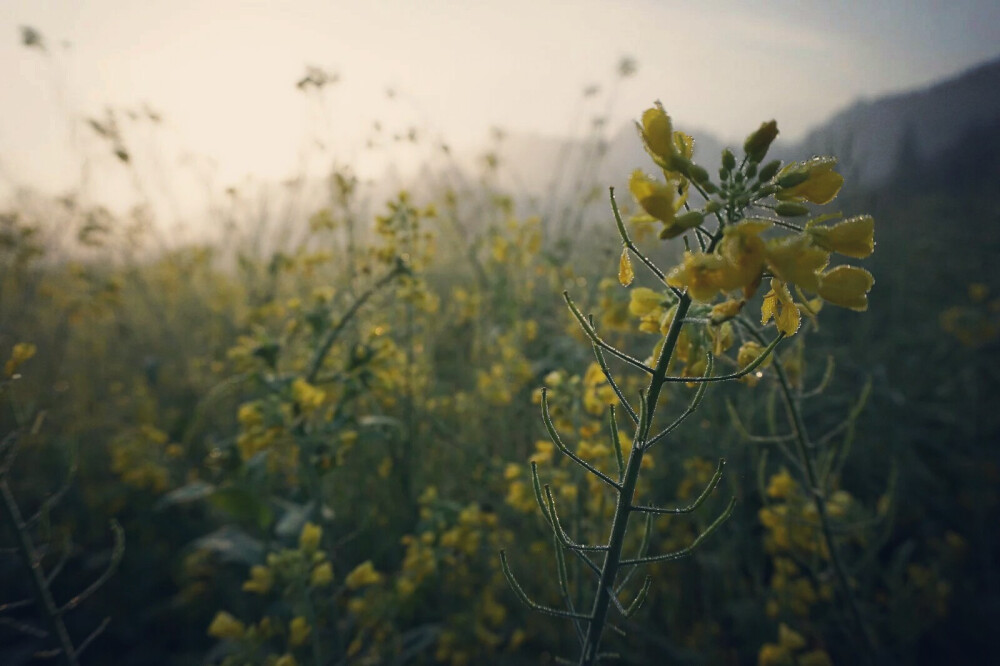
751,200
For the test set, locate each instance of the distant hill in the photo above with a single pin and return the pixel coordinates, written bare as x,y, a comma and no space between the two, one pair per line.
870,137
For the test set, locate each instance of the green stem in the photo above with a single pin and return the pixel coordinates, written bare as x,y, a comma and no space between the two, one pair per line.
624,507
819,500
31,559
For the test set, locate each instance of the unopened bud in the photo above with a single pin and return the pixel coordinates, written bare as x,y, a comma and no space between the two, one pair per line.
698,174
689,220
791,209
793,178
768,170
757,144
728,160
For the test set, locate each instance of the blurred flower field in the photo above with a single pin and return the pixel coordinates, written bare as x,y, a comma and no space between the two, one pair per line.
317,438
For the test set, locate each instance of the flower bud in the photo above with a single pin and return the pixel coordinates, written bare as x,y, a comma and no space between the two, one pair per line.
728,160
757,144
793,178
768,171
698,174
791,209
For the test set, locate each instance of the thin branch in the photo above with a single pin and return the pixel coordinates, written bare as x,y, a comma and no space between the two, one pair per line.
617,443
596,339
614,385
639,599
712,485
519,591
116,557
94,634
695,402
323,349
561,533
547,419
676,555
537,487
754,364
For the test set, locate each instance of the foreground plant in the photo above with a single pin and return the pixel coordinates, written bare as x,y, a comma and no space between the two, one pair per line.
697,314
34,552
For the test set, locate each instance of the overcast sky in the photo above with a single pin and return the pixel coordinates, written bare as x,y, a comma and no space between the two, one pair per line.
223,72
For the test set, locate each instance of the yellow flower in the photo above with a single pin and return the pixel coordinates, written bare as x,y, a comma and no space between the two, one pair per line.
286,660
854,237
772,654
657,132
781,485
778,304
789,638
704,275
21,352
814,181
795,260
364,574
744,250
261,580
307,396
657,199
846,286
815,658
725,311
625,272
322,575
225,625
298,631
310,537
642,301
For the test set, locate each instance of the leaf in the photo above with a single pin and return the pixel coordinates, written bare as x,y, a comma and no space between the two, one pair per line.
243,505
232,545
192,492
625,272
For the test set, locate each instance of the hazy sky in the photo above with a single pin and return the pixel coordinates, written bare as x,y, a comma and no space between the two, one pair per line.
222,72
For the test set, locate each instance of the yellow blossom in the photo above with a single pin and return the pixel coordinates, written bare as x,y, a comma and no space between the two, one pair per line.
310,537
364,574
322,575
725,311
224,625
795,260
657,132
781,485
815,658
625,272
854,237
642,301
307,396
657,199
704,275
778,304
261,580
286,660
743,249
789,638
846,286
814,181
772,654
21,352
298,630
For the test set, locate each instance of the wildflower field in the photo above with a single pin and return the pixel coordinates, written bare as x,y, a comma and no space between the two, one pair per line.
727,417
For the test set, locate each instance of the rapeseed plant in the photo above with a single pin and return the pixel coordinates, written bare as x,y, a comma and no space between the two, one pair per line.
743,229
